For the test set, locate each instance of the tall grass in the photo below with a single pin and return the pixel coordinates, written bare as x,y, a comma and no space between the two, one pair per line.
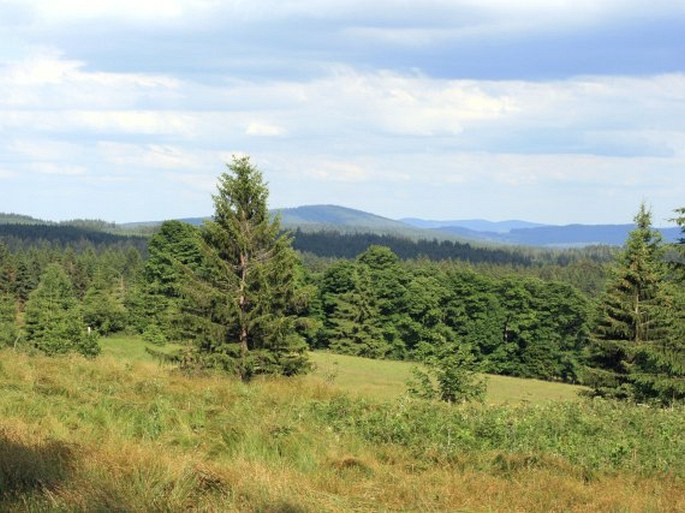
134,435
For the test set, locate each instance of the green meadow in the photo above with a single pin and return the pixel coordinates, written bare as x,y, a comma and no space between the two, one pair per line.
125,432
386,379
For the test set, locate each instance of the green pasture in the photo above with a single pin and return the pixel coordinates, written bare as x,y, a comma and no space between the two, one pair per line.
380,379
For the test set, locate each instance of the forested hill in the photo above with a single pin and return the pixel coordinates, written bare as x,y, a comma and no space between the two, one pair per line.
570,235
18,236
349,245
333,244
342,219
19,219
327,243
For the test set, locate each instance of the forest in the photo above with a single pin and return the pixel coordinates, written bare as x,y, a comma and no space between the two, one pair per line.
612,320
217,368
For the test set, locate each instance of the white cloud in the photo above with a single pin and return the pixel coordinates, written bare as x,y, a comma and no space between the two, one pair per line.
145,156
260,129
373,134
49,81
134,122
70,10
42,149
337,172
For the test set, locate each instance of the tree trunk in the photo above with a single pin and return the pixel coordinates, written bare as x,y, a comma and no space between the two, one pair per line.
242,303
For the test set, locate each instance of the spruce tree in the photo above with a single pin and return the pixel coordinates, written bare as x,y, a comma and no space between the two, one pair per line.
7,270
175,252
244,300
352,325
634,329
54,323
8,318
103,306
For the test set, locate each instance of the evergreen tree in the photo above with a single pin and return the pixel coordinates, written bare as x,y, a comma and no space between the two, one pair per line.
7,271
175,252
54,323
29,271
8,320
353,322
658,374
634,329
245,300
449,374
103,305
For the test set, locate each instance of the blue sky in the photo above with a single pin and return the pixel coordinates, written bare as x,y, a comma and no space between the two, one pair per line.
544,110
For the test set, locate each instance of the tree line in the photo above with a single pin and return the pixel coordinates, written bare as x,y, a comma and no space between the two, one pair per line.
235,293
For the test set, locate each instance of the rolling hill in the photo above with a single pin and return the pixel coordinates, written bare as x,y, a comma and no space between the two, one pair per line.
334,218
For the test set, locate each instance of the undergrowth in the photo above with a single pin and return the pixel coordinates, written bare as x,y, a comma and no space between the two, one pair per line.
135,436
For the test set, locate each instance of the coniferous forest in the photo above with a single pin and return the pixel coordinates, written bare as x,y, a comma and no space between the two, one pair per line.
236,295
218,368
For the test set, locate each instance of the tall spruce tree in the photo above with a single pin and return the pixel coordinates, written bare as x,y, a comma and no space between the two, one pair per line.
634,329
244,300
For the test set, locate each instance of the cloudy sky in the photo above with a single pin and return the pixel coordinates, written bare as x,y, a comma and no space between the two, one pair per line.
545,110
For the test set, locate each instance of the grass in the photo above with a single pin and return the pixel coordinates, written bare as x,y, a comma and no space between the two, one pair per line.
384,379
379,379
132,348
125,433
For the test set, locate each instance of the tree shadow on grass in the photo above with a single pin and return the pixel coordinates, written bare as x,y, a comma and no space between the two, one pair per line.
29,468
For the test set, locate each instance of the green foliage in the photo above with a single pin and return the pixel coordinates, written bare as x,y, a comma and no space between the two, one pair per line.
8,320
174,253
244,301
153,334
517,325
352,322
450,375
131,435
54,323
594,436
103,306
637,349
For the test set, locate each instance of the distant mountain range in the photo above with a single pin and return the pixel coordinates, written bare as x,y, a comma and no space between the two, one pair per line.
346,220
475,225
512,232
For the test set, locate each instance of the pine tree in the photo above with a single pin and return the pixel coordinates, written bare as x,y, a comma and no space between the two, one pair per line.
54,324
244,300
8,320
634,327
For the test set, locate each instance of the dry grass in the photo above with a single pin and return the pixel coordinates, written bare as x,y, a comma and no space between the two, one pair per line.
135,436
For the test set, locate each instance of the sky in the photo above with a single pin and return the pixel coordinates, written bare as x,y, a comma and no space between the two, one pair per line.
545,110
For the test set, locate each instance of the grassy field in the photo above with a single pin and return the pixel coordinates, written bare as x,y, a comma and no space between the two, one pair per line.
126,433
380,379
387,380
